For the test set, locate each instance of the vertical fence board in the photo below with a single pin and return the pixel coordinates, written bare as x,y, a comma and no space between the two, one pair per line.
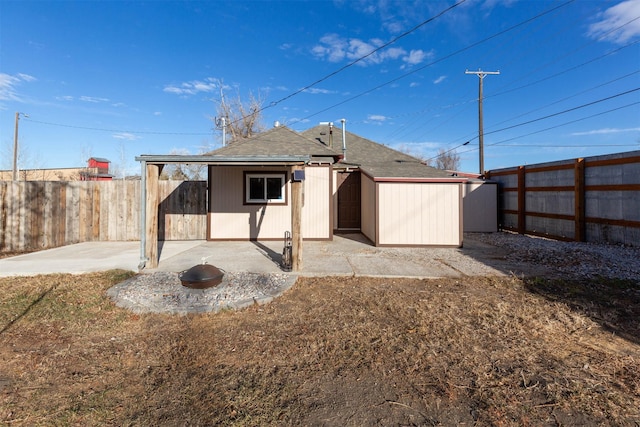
47,214
133,203
61,215
74,221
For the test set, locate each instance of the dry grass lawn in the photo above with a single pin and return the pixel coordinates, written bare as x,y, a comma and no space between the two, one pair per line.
331,351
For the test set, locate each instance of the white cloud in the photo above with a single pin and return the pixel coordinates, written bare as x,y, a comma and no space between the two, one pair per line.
157,113
9,84
335,48
93,99
605,131
193,87
377,117
416,56
332,47
393,27
414,84
439,80
126,136
617,16
316,91
26,77
392,53
64,98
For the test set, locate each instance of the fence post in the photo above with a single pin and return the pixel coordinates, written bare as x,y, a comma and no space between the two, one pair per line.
522,215
579,201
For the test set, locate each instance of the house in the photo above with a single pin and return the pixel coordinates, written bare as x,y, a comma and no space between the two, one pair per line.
97,170
314,184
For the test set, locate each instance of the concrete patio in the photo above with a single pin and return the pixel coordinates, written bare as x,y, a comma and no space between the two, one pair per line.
346,255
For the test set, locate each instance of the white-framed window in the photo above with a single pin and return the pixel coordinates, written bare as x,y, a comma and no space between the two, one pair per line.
266,187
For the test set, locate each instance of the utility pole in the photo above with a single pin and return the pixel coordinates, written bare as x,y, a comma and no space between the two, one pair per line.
15,147
481,74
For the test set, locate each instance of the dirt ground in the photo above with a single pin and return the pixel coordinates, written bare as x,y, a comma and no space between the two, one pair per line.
330,351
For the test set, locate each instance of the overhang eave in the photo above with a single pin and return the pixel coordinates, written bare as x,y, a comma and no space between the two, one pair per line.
223,160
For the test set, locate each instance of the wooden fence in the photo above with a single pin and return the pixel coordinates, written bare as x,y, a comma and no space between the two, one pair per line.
595,199
46,214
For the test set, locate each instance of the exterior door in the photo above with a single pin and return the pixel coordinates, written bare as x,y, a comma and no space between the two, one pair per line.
349,200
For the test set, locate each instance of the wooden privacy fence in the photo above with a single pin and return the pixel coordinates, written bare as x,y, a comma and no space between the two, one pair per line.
595,199
46,214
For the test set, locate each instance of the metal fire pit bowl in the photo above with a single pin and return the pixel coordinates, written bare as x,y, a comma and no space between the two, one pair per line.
201,276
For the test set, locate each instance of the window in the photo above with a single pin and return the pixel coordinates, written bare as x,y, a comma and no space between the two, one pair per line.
265,187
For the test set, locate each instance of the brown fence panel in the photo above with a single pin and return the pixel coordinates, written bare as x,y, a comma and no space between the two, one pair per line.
595,199
45,214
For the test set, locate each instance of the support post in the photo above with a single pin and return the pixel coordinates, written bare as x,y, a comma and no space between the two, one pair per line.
296,221
151,214
143,216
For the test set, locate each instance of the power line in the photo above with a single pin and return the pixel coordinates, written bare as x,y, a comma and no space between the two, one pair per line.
436,61
339,70
572,96
135,132
405,128
611,52
558,101
566,70
557,126
565,111
569,146
549,128
568,123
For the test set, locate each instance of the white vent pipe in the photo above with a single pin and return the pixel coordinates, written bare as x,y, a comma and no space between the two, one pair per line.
344,140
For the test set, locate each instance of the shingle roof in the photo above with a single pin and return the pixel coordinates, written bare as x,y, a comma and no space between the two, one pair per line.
278,141
375,159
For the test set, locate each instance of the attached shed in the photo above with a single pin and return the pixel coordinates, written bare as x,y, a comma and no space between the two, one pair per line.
391,197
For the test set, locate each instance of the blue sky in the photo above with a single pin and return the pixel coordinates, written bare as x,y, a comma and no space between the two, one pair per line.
117,79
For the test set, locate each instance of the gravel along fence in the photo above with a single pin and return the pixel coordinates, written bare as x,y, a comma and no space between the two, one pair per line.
576,260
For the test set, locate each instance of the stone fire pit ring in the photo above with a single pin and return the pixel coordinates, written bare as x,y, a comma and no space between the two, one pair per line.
163,292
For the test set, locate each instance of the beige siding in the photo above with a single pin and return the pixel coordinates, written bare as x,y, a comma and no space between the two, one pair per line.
419,214
368,207
316,211
230,218
480,201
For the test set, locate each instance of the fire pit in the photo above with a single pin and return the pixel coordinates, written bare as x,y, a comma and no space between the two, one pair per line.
201,276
